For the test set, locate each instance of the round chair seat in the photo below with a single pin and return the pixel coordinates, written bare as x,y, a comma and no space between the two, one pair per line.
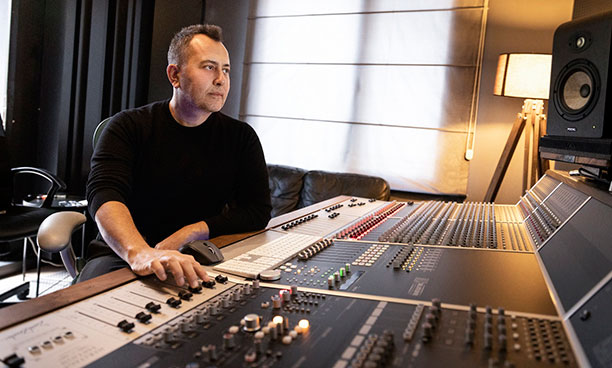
19,222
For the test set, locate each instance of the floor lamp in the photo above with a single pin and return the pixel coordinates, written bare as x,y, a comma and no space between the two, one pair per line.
526,76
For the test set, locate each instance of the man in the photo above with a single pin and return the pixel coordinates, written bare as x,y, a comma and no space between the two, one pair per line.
175,171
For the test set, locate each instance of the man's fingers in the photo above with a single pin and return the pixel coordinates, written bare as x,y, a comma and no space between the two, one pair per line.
182,267
190,274
159,270
177,271
200,271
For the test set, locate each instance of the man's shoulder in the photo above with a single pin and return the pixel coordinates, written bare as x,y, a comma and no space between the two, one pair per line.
144,112
229,122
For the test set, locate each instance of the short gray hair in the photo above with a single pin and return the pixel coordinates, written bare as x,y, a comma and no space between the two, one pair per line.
180,41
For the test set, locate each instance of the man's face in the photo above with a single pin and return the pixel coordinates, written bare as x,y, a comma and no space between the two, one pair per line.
204,75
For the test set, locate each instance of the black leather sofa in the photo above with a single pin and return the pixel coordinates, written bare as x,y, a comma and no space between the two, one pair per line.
292,188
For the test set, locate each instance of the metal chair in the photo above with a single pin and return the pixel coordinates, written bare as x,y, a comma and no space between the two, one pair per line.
55,232
20,219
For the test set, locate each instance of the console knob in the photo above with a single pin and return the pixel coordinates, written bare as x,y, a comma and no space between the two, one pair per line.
431,319
200,318
228,341
252,322
250,356
259,346
427,331
227,303
436,302
488,341
209,352
286,296
169,337
435,310
469,336
276,302
502,342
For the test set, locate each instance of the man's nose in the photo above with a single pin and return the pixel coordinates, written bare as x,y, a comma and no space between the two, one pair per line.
220,78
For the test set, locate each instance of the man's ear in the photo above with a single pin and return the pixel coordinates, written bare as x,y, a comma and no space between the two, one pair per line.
172,72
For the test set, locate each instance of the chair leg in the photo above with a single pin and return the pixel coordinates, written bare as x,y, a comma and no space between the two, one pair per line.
23,263
37,272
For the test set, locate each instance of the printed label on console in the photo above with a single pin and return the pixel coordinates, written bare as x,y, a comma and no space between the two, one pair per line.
418,286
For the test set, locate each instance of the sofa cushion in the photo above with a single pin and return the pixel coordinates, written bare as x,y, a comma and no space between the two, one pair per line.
285,187
322,185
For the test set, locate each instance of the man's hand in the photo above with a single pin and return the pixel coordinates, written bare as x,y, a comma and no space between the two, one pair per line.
188,233
158,261
118,230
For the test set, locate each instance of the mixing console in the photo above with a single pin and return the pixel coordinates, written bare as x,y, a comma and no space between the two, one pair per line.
250,325
365,283
422,273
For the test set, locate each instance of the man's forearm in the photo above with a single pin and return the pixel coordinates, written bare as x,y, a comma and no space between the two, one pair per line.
118,230
196,231
120,233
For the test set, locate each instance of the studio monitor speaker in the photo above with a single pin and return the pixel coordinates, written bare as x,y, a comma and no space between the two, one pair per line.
580,103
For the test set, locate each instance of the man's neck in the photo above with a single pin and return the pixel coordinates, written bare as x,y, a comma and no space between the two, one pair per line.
186,114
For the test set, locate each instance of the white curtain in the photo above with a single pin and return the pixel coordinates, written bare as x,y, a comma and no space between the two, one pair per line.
376,87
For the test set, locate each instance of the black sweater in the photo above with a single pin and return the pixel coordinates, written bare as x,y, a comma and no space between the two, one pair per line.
170,176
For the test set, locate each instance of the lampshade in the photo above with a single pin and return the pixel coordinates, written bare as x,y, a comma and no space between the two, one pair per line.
523,75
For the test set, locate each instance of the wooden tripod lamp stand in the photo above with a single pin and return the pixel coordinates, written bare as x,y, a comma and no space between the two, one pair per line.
526,76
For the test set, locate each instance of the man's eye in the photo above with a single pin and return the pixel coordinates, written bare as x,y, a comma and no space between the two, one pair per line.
226,71
209,67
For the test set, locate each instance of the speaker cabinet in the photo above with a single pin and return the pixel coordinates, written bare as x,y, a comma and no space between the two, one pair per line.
580,103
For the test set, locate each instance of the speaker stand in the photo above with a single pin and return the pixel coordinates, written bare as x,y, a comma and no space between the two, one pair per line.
533,122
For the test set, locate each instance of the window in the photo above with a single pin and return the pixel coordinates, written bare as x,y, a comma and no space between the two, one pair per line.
384,88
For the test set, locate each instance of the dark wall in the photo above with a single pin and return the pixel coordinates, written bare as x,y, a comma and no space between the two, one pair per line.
232,16
166,23
23,102
73,63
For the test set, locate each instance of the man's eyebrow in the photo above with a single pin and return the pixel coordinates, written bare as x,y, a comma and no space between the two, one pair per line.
212,62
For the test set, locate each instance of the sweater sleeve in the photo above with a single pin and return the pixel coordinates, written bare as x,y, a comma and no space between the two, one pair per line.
112,163
251,207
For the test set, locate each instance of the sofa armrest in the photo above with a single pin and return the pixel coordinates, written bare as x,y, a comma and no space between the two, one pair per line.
285,186
322,185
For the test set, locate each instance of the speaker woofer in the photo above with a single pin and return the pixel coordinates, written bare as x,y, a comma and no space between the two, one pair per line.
576,90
